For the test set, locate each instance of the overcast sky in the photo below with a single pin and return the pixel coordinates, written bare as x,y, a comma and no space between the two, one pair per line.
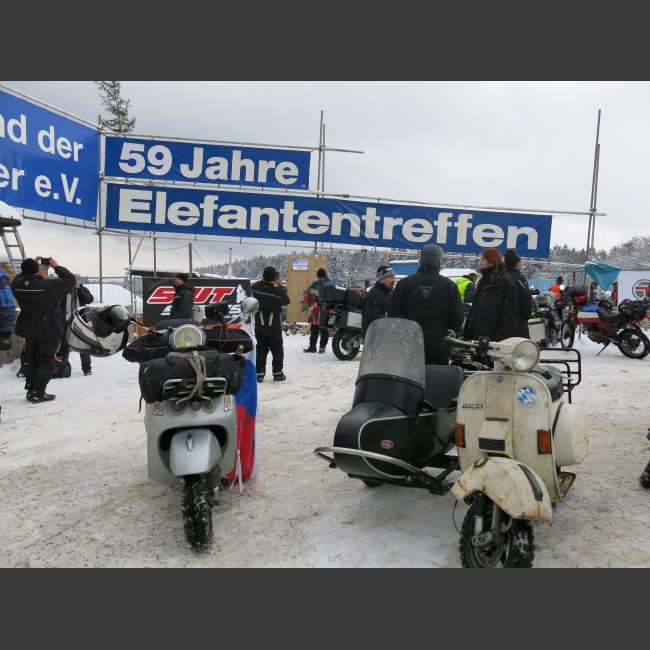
518,144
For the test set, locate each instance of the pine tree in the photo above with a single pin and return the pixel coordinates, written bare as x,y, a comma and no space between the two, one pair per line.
110,93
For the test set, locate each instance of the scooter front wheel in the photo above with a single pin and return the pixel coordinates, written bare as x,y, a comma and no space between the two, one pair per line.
197,515
515,551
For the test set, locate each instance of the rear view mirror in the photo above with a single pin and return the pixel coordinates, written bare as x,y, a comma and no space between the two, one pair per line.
250,306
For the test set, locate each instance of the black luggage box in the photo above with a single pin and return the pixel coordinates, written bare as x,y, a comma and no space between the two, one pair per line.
154,374
333,294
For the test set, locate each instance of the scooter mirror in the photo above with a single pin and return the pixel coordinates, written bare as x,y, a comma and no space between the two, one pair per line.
250,306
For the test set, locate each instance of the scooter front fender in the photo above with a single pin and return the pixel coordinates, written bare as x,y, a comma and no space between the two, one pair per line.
515,488
193,451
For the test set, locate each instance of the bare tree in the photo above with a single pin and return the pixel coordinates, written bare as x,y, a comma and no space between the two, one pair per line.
110,93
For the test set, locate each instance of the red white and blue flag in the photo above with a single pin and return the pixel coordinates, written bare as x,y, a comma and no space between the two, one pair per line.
246,465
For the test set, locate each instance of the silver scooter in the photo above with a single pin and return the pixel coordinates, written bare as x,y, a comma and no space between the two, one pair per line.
192,424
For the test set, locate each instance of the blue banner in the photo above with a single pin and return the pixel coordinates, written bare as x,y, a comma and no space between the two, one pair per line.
198,163
48,162
296,218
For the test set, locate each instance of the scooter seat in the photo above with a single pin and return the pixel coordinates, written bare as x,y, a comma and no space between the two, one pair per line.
554,384
608,317
442,385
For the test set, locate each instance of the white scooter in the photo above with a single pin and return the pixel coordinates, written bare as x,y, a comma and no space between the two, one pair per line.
514,432
191,412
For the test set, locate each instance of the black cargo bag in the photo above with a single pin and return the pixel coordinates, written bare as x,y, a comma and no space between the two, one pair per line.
154,374
62,369
155,345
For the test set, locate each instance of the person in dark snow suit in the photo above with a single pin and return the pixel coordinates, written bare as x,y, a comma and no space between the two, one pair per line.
512,263
40,322
494,310
376,303
431,300
271,296
183,298
78,297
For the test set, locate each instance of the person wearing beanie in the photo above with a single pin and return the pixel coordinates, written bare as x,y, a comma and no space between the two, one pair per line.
314,290
432,301
495,309
377,299
512,264
272,297
183,302
40,322
558,287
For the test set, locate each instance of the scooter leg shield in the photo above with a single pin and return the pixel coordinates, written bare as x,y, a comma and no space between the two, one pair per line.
193,451
515,488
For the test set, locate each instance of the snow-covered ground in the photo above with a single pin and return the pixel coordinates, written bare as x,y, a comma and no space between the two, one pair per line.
75,490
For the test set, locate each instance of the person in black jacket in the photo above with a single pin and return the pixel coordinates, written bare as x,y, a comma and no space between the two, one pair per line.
78,297
432,301
376,303
40,321
183,298
494,310
271,296
512,263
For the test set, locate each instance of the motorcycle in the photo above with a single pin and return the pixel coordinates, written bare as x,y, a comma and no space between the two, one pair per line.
511,427
603,325
544,324
342,311
190,374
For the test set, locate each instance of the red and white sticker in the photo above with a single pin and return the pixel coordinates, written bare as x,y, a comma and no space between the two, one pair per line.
386,444
202,295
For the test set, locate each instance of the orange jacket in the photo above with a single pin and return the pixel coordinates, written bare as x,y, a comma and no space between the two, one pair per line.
556,289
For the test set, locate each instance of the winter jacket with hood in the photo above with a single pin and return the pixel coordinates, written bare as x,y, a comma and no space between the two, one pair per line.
524,302
431,300
7,307
375,305
183,302
494,310
41,318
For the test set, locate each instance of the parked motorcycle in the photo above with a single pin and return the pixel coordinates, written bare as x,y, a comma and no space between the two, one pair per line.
511,426
341,311
604,326
189,376
544,324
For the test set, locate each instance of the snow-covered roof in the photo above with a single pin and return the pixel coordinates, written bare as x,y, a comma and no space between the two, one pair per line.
9,216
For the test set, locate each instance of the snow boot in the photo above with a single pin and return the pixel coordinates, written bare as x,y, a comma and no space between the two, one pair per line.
87,372
644,479
29,395
321,351
311,348
260,377
36,399
279,376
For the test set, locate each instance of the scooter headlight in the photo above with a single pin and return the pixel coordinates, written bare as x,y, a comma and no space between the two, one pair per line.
187,336
525,356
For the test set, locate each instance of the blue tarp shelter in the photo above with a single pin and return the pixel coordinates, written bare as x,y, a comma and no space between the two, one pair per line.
603,274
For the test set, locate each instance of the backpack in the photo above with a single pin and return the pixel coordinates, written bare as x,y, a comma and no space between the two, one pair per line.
62,369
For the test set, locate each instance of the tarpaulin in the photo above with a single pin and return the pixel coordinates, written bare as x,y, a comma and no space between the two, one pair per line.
603,274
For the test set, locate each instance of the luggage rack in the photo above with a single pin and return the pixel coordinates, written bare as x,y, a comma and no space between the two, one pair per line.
181,388
570,359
